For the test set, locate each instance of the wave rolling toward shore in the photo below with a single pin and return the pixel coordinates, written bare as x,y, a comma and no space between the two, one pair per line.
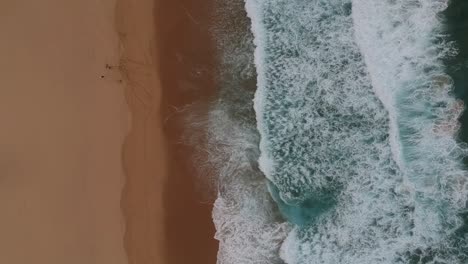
357,129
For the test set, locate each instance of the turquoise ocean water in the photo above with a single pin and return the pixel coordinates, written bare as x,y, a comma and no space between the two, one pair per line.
337,131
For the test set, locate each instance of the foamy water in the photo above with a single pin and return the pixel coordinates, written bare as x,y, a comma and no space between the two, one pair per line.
355,134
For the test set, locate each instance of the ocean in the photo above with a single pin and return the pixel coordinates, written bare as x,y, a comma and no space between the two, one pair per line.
338,135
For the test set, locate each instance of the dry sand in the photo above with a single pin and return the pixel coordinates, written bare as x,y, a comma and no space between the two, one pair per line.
62,129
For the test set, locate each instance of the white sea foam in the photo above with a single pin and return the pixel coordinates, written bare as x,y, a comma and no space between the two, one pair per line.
248,225
266,163
403,45
394,171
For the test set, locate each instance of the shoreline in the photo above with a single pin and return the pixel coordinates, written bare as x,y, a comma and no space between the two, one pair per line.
89,172
187,71
165,219
144,149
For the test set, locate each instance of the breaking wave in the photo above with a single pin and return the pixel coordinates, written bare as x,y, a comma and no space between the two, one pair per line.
354,125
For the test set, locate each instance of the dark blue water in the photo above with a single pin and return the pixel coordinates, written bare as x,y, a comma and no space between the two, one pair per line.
456,21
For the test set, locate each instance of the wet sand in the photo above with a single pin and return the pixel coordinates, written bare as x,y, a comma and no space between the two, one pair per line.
187,67
144,150
165,219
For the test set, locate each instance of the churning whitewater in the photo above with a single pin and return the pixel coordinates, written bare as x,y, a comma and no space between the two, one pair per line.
355,135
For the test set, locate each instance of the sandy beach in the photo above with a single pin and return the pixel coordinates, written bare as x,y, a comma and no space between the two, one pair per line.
144,148
84,171
62,131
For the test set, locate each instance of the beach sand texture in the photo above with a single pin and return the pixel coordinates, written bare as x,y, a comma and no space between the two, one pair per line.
83,164
144,149
61,133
